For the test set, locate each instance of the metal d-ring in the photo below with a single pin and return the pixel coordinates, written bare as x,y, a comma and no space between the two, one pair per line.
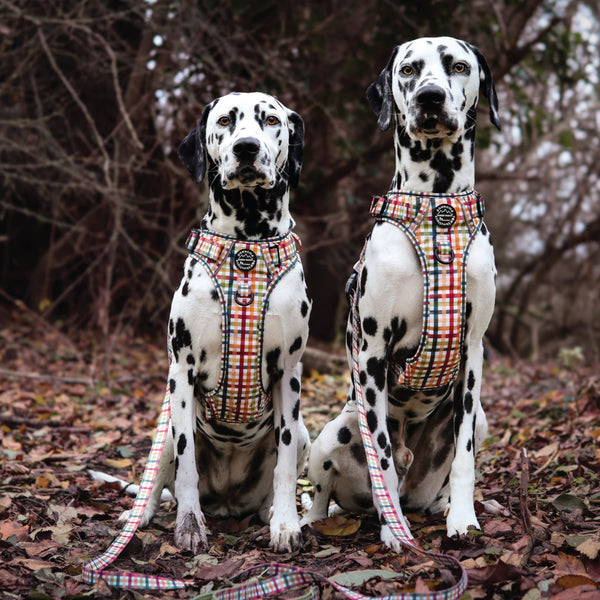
437,253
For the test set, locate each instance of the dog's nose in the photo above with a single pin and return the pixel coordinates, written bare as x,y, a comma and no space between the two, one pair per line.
246,148
431,95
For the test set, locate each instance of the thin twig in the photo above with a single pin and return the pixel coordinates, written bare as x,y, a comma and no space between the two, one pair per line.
44,377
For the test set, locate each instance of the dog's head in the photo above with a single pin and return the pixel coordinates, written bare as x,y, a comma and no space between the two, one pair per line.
247,140
433,85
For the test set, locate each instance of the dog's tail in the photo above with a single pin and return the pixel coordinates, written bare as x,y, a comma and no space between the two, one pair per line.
129,488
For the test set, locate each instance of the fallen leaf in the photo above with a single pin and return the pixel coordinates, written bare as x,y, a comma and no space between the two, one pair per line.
571,581
497,573
568,502
42,482
354,578
223,570
327,551
569,564
10,528
421,587
548,450
581,592
118,463
33,564
337,525
590,547
60,533
64,514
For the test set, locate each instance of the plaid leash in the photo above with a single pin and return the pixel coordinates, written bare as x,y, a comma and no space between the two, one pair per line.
442,229
395,520
93,570
264,580
261,581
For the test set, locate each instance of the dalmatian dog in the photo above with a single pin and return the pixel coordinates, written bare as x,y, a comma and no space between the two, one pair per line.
426,441
249,148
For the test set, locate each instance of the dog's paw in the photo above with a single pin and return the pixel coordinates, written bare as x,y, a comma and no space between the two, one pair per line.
285,537
390,540
190,533
458,522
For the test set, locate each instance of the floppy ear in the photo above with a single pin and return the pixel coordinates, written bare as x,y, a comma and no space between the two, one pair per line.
487,86
192,149
296,147
379,94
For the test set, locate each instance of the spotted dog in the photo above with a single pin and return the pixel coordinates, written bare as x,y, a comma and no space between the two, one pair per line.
249,148
426,439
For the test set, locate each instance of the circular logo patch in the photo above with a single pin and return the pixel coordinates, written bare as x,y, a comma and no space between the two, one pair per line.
245,259
444,215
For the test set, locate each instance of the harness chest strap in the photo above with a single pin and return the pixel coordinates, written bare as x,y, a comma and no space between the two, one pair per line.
244,274
442,228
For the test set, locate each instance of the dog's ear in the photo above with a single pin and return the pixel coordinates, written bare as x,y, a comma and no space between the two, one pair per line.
487,86
296,147
191,151
379,94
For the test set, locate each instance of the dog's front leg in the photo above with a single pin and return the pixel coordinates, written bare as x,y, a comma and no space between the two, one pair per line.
284,521
470,425
461,514
190,531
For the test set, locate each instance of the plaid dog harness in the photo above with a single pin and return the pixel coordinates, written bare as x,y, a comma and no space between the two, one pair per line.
244,274
441,228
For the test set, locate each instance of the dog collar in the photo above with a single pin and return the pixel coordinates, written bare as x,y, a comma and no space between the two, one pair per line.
244,274
442,228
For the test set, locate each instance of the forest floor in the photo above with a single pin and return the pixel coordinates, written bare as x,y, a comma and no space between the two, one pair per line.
68,406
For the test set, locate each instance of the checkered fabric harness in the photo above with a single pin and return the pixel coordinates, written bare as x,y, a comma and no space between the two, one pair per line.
244,274
442,228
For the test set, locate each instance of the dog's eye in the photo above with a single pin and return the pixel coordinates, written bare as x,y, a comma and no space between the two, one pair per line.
272,120
224,121
460,67
407,70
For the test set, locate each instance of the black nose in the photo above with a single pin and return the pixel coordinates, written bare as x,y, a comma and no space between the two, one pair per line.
246,148
431,95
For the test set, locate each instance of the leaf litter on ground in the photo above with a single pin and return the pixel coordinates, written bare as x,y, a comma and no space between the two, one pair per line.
62,413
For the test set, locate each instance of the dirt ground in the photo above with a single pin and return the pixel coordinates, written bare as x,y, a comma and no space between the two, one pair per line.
67,406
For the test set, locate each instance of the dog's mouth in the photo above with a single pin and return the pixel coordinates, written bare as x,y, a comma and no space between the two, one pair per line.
247,176
435,126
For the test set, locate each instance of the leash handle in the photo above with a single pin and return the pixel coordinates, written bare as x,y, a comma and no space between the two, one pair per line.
395,521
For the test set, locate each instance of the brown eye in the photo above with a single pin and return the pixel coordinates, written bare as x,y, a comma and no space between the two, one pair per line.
460,67
407,70
224,121
272,120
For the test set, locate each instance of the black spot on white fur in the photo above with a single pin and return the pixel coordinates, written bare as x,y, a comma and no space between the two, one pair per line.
344,435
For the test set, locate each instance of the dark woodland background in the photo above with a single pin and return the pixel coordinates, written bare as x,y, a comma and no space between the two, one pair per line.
96,95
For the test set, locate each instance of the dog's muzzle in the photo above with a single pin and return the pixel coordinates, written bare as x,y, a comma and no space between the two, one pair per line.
430,113
250,165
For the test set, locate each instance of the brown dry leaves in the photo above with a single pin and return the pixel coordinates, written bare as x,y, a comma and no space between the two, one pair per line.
61,416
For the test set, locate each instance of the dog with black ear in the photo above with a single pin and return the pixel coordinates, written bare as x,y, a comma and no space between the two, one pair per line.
422,295
237,329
